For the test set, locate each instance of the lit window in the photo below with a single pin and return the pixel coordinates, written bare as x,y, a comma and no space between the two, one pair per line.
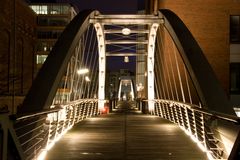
41,59
235,29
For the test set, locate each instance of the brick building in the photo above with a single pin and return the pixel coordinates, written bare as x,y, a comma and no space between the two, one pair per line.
17,43
216,27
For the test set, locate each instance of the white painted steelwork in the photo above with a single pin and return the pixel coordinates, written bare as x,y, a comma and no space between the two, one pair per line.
150,64
151,23
126,82
102,64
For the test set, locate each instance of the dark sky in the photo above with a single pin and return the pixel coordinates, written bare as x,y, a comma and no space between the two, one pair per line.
107,6
104,6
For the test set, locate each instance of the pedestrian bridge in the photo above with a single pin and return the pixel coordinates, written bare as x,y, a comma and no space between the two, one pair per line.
125,134
181,112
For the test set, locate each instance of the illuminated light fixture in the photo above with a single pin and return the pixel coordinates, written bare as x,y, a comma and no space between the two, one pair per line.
42,155
126,31
126,59
83,71
87,79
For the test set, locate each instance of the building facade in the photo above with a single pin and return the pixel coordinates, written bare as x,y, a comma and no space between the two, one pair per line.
52,18
216,27
17,45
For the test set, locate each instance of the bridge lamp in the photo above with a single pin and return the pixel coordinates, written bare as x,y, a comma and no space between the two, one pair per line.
87,79
83,71
126,59
126,31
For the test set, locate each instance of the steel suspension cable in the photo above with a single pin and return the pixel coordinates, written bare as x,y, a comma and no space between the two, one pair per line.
82,65
88,62
178,72
157,70
164,77
187,83
94,67
160,71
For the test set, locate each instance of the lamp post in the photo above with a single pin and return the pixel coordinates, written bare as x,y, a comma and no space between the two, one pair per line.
87,79
82,71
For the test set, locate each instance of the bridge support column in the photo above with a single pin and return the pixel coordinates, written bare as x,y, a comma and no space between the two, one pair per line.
102,65
150,65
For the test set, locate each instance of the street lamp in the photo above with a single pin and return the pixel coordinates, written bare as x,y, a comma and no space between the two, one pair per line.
126,31
126,59
83,71
87,79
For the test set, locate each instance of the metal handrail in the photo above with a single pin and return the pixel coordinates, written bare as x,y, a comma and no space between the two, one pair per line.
194,107
38,131
50,110
197,123
34,114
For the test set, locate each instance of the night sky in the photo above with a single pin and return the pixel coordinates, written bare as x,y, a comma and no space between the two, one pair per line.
104,6
108,7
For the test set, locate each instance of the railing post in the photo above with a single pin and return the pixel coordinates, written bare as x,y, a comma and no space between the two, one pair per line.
144,107
160,109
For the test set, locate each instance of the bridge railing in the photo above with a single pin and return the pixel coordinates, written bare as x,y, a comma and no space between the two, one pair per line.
38,132
198,123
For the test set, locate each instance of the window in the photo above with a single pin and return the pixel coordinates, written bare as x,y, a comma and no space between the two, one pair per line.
39,9
41,59
45,46
235,78
235,29
54,34
50,9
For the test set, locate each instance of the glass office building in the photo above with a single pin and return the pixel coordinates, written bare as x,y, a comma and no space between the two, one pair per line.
52,19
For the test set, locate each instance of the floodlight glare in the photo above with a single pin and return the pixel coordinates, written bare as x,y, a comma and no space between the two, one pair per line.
83,71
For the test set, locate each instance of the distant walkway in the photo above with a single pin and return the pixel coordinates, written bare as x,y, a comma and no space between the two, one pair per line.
125,135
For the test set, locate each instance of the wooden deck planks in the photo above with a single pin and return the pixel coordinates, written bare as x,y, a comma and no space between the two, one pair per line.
125,135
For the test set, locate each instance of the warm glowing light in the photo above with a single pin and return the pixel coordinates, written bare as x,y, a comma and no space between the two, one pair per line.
83,71
87,79
210,157
126,59
201,146
228,145
61,116
126,31
140,87
199,143
132,94
42,155
104,110
237,111
50,145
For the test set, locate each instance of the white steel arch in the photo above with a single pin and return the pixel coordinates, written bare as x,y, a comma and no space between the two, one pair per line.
150,23
102,64
150,64
127,81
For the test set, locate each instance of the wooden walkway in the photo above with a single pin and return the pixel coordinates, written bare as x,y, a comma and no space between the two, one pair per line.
125,135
